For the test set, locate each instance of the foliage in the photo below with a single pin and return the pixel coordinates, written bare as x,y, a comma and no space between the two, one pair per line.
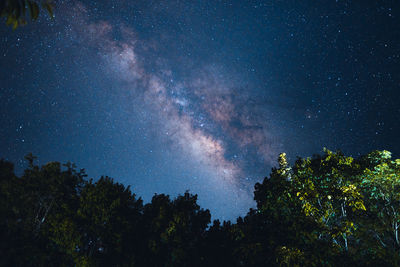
328,210
381,186
16,11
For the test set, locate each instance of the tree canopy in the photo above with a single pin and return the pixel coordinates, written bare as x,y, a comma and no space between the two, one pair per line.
328,209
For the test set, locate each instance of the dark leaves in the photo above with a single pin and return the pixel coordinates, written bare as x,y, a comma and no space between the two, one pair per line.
328,210
18,12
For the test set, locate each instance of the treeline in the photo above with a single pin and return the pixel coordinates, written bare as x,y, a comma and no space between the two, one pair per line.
327,210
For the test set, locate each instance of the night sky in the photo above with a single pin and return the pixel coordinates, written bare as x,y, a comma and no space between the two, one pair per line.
168,96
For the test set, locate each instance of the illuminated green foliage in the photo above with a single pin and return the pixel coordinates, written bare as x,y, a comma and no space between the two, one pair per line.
18,12
344,209
330,195
327,210
381,186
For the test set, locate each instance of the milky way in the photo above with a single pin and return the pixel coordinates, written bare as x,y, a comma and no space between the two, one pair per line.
200,96
201,115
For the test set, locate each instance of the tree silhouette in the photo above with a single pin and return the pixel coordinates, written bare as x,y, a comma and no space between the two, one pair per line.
328,210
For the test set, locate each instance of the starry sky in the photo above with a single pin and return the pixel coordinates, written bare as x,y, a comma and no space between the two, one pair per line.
168,96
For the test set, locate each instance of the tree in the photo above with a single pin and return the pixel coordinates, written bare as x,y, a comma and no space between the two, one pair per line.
327,210
380,183
175,230
219,245
104,230
34,203
313,208
16,11
279,224
330,195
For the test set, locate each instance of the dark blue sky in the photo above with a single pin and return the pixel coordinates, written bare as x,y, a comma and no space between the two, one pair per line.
201,95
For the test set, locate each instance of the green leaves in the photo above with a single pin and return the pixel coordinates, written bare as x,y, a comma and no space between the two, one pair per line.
381,186
16,11
327,210
346,202
175,229
33,9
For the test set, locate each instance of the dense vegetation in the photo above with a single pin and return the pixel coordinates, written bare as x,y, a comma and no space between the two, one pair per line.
328,210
